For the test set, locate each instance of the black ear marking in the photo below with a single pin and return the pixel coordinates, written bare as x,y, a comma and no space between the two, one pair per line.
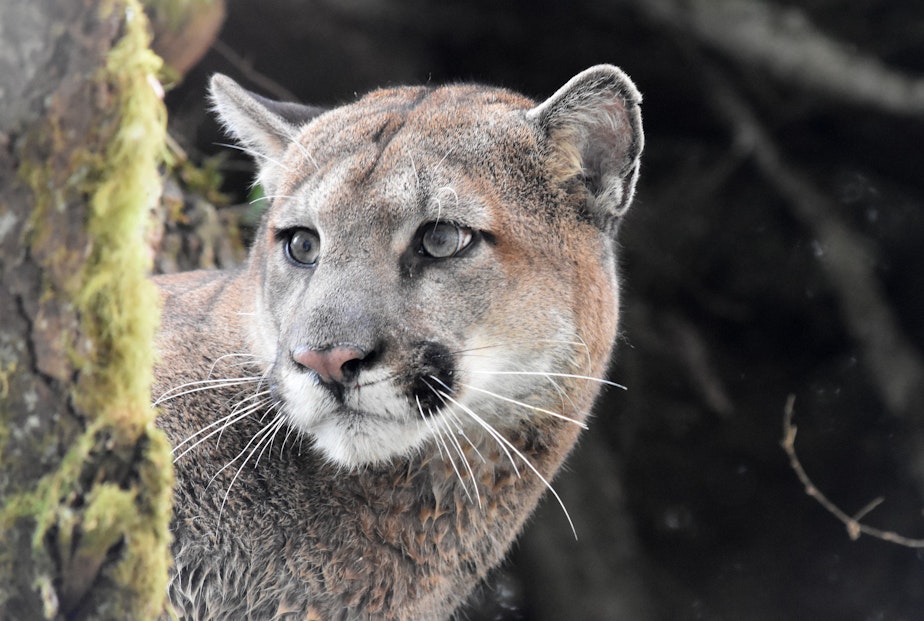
594,126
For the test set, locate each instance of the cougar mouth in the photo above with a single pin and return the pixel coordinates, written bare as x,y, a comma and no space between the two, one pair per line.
428,375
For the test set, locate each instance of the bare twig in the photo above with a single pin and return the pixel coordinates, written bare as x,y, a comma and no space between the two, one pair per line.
785,42
854,527
894,364
247,70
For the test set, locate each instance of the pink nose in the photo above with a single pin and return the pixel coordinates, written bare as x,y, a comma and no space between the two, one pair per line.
338,364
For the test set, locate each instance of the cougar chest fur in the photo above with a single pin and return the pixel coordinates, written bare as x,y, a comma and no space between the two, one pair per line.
366,413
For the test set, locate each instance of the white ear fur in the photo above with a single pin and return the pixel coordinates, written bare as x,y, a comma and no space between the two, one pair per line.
594,126
265,127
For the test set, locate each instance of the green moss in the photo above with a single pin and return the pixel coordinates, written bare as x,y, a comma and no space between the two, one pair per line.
204,179
115,298
119,305
113,487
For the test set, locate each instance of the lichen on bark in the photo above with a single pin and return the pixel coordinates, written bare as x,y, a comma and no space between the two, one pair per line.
99,510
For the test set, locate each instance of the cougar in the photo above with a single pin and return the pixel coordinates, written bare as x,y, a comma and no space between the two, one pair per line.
365,414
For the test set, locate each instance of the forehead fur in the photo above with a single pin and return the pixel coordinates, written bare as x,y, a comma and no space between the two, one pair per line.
454,121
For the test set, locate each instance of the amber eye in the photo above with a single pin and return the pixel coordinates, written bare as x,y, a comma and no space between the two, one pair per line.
441,240
303,247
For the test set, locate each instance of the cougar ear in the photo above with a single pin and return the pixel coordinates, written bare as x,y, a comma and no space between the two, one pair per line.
264,126
593,125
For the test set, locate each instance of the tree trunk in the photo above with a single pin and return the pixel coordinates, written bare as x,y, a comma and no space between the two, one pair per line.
85,481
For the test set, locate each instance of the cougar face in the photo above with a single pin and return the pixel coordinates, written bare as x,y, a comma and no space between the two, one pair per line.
405,278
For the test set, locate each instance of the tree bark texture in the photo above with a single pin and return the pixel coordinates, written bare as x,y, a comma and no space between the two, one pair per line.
85,480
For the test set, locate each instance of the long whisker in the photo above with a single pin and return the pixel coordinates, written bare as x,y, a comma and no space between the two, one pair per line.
254,154
458,446
583,344
459,427
259,437
200,385
414,168
512,342
278,422
526,405
289,432
447,399
562,395
304,151
442,440
268,197
548,374
454,443
439,164
236,415
258,400
232,355
433,430
504,441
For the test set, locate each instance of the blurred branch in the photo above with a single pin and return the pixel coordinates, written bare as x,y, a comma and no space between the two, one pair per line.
896,367
248,71
785,42
854,527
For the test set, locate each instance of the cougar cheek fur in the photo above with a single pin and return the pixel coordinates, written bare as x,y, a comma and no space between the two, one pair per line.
367,412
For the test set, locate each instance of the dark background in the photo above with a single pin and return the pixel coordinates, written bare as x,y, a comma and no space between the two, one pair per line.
776,249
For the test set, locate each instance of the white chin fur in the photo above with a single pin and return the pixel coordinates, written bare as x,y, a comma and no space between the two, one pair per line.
361,442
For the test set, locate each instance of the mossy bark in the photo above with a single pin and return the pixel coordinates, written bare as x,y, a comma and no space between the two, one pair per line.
86,479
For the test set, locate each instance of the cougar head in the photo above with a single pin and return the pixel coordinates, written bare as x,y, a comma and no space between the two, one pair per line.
436,258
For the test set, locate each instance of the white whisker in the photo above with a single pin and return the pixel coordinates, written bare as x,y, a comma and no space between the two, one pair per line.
225,421
259,437
526,405
414,168
439,164
304,151
583,344
289,432
454,441
529,341
207,384
254,154
452,416
447,399
442,440
562,395
222,423
504,441
278,423
268,197
450,441
426,421
548,374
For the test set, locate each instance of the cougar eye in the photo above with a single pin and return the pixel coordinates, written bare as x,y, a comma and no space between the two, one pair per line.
441,240
303,246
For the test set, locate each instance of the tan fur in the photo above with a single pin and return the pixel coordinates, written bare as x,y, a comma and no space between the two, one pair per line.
387,488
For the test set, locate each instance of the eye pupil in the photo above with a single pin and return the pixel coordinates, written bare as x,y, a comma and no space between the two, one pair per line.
441,240
303,246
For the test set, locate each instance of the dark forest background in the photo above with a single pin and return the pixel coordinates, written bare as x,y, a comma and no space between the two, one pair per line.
774,255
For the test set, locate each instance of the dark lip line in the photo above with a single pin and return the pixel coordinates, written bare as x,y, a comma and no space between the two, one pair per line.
337,393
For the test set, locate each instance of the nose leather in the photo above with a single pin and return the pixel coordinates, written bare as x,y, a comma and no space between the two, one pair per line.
334,365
